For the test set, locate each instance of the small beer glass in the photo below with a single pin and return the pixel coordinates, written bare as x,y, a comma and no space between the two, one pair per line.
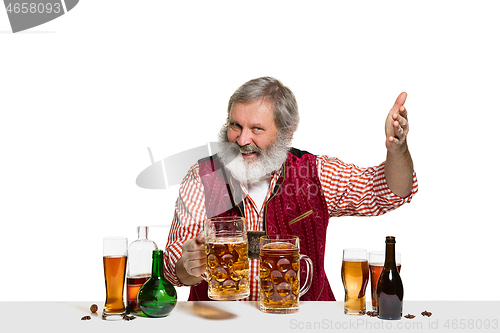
376,261
280,274
226,247
355,279
115,262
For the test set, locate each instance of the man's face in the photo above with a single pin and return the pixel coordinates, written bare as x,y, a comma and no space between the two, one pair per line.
252,127
256,146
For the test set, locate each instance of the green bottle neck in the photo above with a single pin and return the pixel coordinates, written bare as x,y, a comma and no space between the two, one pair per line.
157,269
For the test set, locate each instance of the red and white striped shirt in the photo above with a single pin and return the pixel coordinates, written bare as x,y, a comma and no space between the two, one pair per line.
348,190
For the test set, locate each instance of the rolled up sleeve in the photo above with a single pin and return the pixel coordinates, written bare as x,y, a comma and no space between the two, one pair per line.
187,222
353,191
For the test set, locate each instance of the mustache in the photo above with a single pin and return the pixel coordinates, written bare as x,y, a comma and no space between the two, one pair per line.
249,149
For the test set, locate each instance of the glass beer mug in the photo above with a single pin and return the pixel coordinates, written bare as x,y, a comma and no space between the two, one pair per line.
226,247
280,274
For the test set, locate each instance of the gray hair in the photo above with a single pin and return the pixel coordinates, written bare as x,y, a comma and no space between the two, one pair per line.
285,108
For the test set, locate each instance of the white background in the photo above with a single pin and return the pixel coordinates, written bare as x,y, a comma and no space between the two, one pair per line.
83,96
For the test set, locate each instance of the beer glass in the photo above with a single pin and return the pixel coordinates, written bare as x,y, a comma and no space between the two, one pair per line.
115,262
355,279
279,274
226,247
376,261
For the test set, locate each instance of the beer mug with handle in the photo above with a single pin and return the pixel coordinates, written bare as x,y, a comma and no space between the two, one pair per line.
280,274
226,247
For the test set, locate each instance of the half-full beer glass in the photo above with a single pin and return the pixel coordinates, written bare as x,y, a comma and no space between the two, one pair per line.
355,279
376,261
279,274
226,247
115,262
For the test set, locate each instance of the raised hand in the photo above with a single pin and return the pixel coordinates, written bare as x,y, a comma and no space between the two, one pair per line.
398,163
396,125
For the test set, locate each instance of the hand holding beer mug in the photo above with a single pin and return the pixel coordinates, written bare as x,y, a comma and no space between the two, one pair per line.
226,247
376,262
115,262
280,274
355,280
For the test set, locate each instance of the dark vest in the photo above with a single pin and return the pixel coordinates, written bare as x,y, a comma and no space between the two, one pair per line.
297,206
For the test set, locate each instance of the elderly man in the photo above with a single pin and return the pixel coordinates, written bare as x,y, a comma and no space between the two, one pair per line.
279,189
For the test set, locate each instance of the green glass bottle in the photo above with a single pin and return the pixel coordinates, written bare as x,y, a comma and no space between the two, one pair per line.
157,297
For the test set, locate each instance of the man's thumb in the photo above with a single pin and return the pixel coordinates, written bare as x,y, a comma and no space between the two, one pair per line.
200,239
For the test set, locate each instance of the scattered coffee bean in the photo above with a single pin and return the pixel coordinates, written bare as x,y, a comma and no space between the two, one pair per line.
371,313
86,318
93,308
127,318
409,316
426,313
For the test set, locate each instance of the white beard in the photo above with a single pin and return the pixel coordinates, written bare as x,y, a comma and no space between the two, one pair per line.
249,172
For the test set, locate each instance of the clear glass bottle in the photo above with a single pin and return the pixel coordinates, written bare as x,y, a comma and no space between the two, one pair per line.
139,266
157,297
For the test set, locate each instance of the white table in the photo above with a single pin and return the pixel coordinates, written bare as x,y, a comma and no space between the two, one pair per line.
238,317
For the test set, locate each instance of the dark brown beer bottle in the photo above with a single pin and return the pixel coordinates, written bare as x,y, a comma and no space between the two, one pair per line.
390,286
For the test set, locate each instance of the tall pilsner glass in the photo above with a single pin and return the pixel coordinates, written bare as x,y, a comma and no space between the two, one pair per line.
115,262
355,279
